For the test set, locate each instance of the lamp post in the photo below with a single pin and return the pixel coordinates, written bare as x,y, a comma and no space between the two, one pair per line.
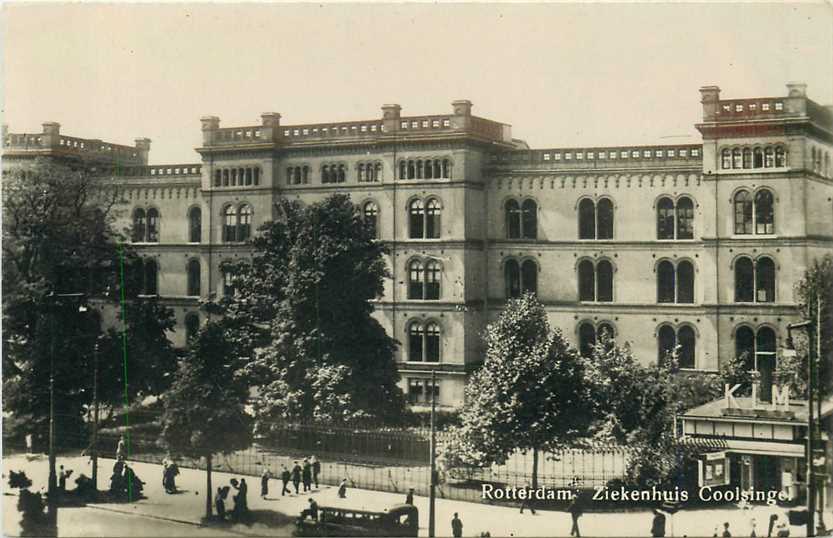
53,300
810,327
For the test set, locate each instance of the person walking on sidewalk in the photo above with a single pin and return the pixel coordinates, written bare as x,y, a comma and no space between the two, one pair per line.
658,524
527,501
316,470
456,526
296,476
121,450
264,482
342,489
306,475
220,503
285,475
409,498
576,511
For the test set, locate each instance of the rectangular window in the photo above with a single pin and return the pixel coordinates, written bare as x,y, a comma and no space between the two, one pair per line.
404,125
683,153
765,107
446,123
646,153
671,153
364,128
557,156
546,156
306,132
415,392
568,156
591,155
738,108
753,107
727,108
635,154
624,154
425,123
779,106
414,124
579,156
602,155
658,153
695,153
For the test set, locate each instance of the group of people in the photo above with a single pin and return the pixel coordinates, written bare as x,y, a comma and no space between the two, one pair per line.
124,482
240,509
307,474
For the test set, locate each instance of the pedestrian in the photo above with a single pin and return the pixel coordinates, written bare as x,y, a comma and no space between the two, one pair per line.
576,511
28,443
726,533
316,470
312,511
237,509
121,450
306,474
526,500
220,504
243,494
754,533
409,498
342,489
456,526
264,482
62,479
285,475
658,524
296,476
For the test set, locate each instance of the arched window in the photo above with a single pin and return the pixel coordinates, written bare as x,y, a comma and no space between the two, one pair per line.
416,284
743,212
228,283
685,282
665,219
736,158
745,346
666,342
305,174
244,227
415,342
429,169
605,219
765,280
151,280
726,159
512,279
361,172
764,212
780,157
370,212
586,338
377,172
433,212
194,278
195,225
424,342
685,218
604,281
248,176
192,326
229,224
417,219
438,168
586,281
325,174
225,177
433,272
747,158
529,277
687,341
513,219
666,282
342,174
138,225
411,170
586,219
769,157
218,178
758,158
419,169
744,280
403,170
153,226
529,223
446,169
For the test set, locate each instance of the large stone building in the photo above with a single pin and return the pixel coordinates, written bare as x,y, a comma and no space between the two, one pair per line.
695,245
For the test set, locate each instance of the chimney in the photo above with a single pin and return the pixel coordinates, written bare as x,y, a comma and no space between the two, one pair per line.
143,145
462,114
710,97
796,101
390,117
51,133
271,122
209,125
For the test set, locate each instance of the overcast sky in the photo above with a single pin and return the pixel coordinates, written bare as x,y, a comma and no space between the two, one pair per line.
561,74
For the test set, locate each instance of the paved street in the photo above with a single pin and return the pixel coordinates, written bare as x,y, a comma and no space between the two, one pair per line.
180,515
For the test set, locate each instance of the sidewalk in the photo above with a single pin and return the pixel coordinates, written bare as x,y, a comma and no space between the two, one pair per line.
276,514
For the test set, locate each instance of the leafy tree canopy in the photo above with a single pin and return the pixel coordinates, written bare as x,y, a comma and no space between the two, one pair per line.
301,317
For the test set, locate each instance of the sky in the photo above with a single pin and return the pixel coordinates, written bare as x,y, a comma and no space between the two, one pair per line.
563,75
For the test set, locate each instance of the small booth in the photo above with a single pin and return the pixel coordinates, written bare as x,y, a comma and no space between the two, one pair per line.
762,444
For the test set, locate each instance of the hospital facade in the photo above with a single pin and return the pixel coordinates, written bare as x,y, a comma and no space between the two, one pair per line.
693,247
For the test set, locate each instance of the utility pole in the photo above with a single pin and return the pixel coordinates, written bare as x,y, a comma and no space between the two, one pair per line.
95,417
432,497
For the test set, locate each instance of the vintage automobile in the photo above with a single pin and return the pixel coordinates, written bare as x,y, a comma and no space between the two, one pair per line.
398,520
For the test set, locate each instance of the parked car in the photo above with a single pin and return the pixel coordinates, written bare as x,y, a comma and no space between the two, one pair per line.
398,520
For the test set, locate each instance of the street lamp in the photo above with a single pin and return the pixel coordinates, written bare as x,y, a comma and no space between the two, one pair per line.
810,327
52,302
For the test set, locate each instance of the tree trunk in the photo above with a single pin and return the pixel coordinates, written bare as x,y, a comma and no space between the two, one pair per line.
208,488
534,468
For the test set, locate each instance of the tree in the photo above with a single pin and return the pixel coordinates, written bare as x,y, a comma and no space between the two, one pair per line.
58,239
311,282
204,406
530,392
815,287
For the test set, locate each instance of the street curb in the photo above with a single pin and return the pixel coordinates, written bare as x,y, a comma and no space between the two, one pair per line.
164,518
